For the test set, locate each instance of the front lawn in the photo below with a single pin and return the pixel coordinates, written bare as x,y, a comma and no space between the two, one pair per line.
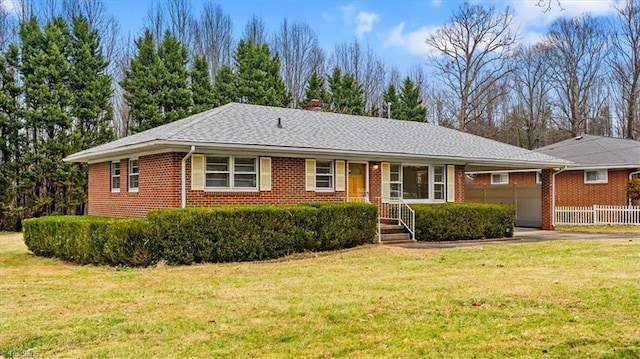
548,299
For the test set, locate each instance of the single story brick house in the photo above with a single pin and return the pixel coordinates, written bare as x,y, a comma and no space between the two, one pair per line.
599,176
249,154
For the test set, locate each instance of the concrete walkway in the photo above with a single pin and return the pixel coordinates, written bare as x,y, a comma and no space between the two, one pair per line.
520,235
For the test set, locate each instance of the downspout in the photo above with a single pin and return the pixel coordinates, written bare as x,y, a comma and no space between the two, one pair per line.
553,196
630,178
183,184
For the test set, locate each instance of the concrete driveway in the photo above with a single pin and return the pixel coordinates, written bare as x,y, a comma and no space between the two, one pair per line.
520,235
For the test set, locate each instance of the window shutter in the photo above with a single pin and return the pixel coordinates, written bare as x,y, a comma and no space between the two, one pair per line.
385,191
451,183
310,174
265,173
340,173
197,172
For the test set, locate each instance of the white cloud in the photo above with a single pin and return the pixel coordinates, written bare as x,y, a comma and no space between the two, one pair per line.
413,42
533,21
436,3
10,6
365,22
348,12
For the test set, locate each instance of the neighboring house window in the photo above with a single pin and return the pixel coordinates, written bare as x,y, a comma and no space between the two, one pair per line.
499,178
417,182
324,175
395,181
438,183
133,175
115,176
538,177
599,176
231,173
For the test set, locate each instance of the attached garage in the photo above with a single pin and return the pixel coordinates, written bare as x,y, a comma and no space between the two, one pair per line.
519,189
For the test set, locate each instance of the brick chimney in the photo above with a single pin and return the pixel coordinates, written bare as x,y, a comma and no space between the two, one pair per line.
314,105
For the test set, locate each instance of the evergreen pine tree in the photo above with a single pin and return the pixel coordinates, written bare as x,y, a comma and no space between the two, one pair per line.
175,95
346,94
11,140
316,90
46,71
201,87
258,77
411,104
91,109
143,85
391,102
225,88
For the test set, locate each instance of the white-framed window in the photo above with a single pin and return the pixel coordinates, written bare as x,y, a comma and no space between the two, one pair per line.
115,176
395,180
596,176
231,173
439,180
499,178
538,177
134,175
417,182
324,175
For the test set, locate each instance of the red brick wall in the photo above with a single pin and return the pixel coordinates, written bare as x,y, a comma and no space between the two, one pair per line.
547,203
159,187
514,178
572,191
287,187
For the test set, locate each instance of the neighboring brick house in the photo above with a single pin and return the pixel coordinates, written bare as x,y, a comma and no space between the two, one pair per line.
248,154
599,176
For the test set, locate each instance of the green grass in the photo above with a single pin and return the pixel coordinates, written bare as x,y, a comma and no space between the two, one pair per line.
540,300
607,229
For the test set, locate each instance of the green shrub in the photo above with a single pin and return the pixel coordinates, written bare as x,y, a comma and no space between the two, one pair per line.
345,225
233,233
194,235
88,239
463,221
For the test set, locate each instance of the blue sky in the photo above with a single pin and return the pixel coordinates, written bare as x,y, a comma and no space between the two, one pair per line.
394,29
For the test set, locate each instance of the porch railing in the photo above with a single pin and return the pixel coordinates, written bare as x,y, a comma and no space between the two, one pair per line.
596,215
396,209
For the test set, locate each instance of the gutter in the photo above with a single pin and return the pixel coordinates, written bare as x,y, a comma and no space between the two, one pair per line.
553,196
183,179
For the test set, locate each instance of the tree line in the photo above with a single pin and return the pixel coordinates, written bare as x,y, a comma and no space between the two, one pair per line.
70,80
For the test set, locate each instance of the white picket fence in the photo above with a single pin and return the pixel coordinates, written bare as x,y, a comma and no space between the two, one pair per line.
596,215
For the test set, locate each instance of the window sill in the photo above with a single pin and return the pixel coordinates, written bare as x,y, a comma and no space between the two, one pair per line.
115,190
231,190
596,182
134,190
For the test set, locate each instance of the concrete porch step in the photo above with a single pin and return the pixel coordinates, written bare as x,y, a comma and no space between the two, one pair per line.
391,228
389,238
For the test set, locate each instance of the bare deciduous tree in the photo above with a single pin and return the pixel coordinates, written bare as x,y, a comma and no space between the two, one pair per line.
625,66
213,37
297,47
254,30
180,20
472,56
367,69
576,53
531,112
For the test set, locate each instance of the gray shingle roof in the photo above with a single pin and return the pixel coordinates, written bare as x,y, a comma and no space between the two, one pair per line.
596,151
242,124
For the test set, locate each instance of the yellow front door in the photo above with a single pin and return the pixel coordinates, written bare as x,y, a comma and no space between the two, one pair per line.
357,178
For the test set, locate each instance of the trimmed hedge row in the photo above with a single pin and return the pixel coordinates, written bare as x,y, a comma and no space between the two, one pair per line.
194,235
88,239
463,221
